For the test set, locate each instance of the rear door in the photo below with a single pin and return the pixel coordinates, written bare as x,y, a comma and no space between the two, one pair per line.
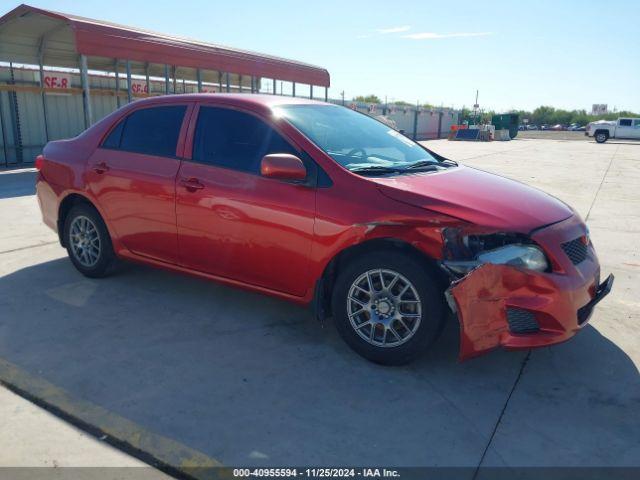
132,174
624,129
234,223
636,128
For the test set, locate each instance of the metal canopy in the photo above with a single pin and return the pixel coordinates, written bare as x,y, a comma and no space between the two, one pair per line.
36,36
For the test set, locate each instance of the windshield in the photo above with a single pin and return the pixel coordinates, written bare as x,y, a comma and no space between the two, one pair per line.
356,141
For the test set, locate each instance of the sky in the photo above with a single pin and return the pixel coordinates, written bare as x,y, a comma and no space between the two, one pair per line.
518,54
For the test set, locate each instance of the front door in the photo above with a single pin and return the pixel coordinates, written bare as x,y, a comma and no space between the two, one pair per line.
133,175
234,223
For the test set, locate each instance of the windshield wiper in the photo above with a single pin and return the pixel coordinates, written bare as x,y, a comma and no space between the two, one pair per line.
375,169
426,164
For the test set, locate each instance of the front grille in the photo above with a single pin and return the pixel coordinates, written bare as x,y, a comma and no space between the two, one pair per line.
521,321
576,250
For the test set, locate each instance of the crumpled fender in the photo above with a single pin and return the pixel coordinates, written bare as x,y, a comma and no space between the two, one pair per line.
481,298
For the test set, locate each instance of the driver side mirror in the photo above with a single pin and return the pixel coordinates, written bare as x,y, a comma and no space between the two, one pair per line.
283,166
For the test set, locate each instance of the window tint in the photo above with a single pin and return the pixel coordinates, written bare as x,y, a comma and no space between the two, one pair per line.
152,131
236,140
113,140
625,122
636,123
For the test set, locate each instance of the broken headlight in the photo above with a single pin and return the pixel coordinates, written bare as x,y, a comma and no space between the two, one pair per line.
468,252
525,256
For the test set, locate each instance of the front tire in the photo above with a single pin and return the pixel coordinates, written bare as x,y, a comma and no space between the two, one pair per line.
601,137
88,241
387,307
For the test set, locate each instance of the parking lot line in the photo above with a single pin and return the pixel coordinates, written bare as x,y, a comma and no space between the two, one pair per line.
28,247
168,455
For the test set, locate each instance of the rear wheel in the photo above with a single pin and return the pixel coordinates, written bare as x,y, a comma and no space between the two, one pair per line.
387,307
601,137
87,240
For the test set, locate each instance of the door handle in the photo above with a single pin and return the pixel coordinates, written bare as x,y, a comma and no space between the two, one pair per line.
100,167
191,184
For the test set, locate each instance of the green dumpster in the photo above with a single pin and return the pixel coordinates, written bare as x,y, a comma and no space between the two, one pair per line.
506,121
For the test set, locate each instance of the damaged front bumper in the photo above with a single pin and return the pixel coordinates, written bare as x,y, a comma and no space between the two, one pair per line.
516,308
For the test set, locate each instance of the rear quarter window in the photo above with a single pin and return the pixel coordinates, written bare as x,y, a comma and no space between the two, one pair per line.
149,131
113,139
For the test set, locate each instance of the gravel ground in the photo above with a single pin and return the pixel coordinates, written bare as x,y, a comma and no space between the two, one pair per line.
552,135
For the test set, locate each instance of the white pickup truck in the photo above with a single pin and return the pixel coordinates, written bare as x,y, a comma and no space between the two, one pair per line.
603,130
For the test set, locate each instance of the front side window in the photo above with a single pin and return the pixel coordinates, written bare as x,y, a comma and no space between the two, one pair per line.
236,140
356,141
150,131
625,122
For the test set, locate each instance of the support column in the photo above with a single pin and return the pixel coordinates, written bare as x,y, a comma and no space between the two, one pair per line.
199,78
439,124
220,82
166,80
14,114
415,123
274,87
228,84
240,83
311,92
146,75
44,98
4,135
174,72
86,93
326,94
294,88
128,67
253,84
116,68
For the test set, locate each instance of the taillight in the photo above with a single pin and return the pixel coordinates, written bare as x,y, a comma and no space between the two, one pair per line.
39,162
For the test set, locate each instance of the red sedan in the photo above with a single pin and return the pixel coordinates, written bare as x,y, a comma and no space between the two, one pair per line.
321,205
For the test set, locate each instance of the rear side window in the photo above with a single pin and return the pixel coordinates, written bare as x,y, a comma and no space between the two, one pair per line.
236,140
150,131
113,140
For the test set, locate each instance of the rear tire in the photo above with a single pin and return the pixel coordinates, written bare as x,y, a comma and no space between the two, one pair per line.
601,137
88,241
385,325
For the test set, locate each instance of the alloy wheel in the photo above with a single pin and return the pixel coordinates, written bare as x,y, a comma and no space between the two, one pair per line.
85,241
384,308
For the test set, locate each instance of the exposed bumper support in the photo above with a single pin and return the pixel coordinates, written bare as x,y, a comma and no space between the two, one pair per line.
560,304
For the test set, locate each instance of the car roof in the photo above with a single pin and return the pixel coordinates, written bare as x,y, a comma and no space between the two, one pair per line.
237,99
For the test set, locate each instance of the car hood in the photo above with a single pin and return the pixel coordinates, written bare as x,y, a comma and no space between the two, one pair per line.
478,197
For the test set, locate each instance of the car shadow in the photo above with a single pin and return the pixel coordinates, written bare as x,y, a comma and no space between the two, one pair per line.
251,380
17,183
624,143
618,142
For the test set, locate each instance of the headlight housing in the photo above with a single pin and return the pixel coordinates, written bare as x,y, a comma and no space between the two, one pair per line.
525,256
468,252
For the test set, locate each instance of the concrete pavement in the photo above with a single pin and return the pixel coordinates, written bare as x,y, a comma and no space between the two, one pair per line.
249,380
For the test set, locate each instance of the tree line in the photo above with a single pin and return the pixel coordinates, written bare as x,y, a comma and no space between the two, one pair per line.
552,116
